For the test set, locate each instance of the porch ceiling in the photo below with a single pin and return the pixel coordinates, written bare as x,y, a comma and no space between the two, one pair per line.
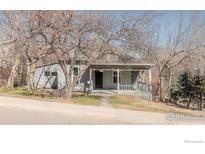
120,66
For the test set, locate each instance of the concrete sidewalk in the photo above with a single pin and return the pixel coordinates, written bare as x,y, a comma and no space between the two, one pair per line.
26,111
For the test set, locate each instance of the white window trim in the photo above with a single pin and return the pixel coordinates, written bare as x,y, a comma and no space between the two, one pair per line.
78,70
76,75
120,78
47,72
50,72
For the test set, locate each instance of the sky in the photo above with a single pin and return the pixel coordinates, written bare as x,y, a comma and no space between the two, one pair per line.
166,19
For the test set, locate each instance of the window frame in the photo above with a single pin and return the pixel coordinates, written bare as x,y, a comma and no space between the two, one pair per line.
74,76
50,73
115,75
54,72
46,75
78,71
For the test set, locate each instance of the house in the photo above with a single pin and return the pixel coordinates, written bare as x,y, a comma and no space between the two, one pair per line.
116,78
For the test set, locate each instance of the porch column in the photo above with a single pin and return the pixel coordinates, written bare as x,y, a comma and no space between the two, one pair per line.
142,76
150,78
118,80
72,74
91,84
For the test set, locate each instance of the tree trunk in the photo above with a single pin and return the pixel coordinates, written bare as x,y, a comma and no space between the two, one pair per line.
188,104
70,94
200,102
70,85
30,77
14,73
169,85
67,93
160,89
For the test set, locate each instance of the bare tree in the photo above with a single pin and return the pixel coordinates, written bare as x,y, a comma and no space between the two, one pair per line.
26,39
73,36
80,37
179,45
14,30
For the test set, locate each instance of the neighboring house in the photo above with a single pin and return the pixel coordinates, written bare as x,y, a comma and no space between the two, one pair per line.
119,78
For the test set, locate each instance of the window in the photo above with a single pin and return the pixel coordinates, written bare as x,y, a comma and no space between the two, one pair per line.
47,73
76,71
114,77
54,73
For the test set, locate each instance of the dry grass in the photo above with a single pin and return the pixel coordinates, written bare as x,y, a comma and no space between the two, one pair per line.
136,103
77,98
118,101
22,92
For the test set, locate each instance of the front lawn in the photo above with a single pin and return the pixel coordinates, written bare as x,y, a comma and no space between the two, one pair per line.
77,98
22,92
136,103
117,101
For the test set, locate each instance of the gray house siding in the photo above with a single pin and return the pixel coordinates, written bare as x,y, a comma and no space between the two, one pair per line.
129,75
126,78
61,78
107,80
84,80
42,81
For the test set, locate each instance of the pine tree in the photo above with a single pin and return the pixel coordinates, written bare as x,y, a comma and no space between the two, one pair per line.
190,89
199,88
174,94
185,87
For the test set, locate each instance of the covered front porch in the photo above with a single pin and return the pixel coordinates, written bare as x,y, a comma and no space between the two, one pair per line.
134,79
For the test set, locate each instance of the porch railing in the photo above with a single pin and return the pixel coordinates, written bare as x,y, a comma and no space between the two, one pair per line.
136,87
127,87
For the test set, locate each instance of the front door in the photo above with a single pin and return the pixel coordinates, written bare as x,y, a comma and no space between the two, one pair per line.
98,80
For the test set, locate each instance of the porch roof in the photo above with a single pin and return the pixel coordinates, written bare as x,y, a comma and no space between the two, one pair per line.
120,66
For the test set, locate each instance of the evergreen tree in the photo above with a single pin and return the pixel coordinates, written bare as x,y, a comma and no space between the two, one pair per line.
199,88
174,94
190,89
185,87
